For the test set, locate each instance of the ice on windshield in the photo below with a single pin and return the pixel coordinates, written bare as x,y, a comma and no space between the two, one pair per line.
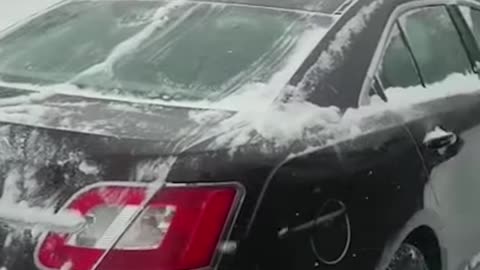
175,50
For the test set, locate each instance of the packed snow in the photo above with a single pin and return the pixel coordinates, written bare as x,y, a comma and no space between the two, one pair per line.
454,84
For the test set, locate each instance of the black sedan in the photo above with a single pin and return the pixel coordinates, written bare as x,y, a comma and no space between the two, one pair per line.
241,134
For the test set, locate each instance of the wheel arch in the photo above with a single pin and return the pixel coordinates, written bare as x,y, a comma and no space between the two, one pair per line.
425,239
423,230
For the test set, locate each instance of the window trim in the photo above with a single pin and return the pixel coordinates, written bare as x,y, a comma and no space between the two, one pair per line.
364,98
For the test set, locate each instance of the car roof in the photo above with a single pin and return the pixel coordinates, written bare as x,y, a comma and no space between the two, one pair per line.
321,6
329,7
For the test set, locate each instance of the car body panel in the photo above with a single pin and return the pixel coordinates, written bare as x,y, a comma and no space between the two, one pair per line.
453,173
348,176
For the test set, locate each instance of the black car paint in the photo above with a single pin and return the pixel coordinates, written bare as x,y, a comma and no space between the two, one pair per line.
380,176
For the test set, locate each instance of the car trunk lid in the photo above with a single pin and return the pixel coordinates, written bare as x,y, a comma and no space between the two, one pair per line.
55,145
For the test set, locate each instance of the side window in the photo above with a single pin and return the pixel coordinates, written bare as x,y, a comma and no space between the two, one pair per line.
435,43
397,68
472,18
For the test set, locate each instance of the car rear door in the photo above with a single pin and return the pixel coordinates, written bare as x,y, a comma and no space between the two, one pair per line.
429,74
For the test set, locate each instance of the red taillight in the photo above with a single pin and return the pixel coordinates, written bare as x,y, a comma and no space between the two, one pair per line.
179,229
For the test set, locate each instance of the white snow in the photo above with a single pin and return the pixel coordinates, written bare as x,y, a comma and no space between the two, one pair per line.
434,134
156,170
286,122
26,114
41,219
11,191
282,123
38,96
88,169
402,99
454,84
257,110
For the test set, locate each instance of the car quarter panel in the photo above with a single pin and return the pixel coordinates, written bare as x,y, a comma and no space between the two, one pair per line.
378,177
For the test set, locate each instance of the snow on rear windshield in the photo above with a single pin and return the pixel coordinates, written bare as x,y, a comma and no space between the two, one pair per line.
175,50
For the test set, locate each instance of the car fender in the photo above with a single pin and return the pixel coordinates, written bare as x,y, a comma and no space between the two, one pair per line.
424,217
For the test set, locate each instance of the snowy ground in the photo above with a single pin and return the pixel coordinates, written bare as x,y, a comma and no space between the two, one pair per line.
14,10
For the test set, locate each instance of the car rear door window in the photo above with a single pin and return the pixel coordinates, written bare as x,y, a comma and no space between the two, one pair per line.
397,68
435,42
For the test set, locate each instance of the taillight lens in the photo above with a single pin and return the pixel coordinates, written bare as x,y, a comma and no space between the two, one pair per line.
180,228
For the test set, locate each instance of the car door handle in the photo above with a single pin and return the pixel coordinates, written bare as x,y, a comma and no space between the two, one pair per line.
439,138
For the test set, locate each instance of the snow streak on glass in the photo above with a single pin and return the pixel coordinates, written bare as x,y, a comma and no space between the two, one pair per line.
171,50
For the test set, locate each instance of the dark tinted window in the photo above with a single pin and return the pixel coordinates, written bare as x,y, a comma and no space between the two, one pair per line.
397,68
435,43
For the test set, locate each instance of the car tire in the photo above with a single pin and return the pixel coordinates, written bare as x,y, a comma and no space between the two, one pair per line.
408,257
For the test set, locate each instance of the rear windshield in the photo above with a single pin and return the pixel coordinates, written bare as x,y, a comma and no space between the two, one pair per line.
171,50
